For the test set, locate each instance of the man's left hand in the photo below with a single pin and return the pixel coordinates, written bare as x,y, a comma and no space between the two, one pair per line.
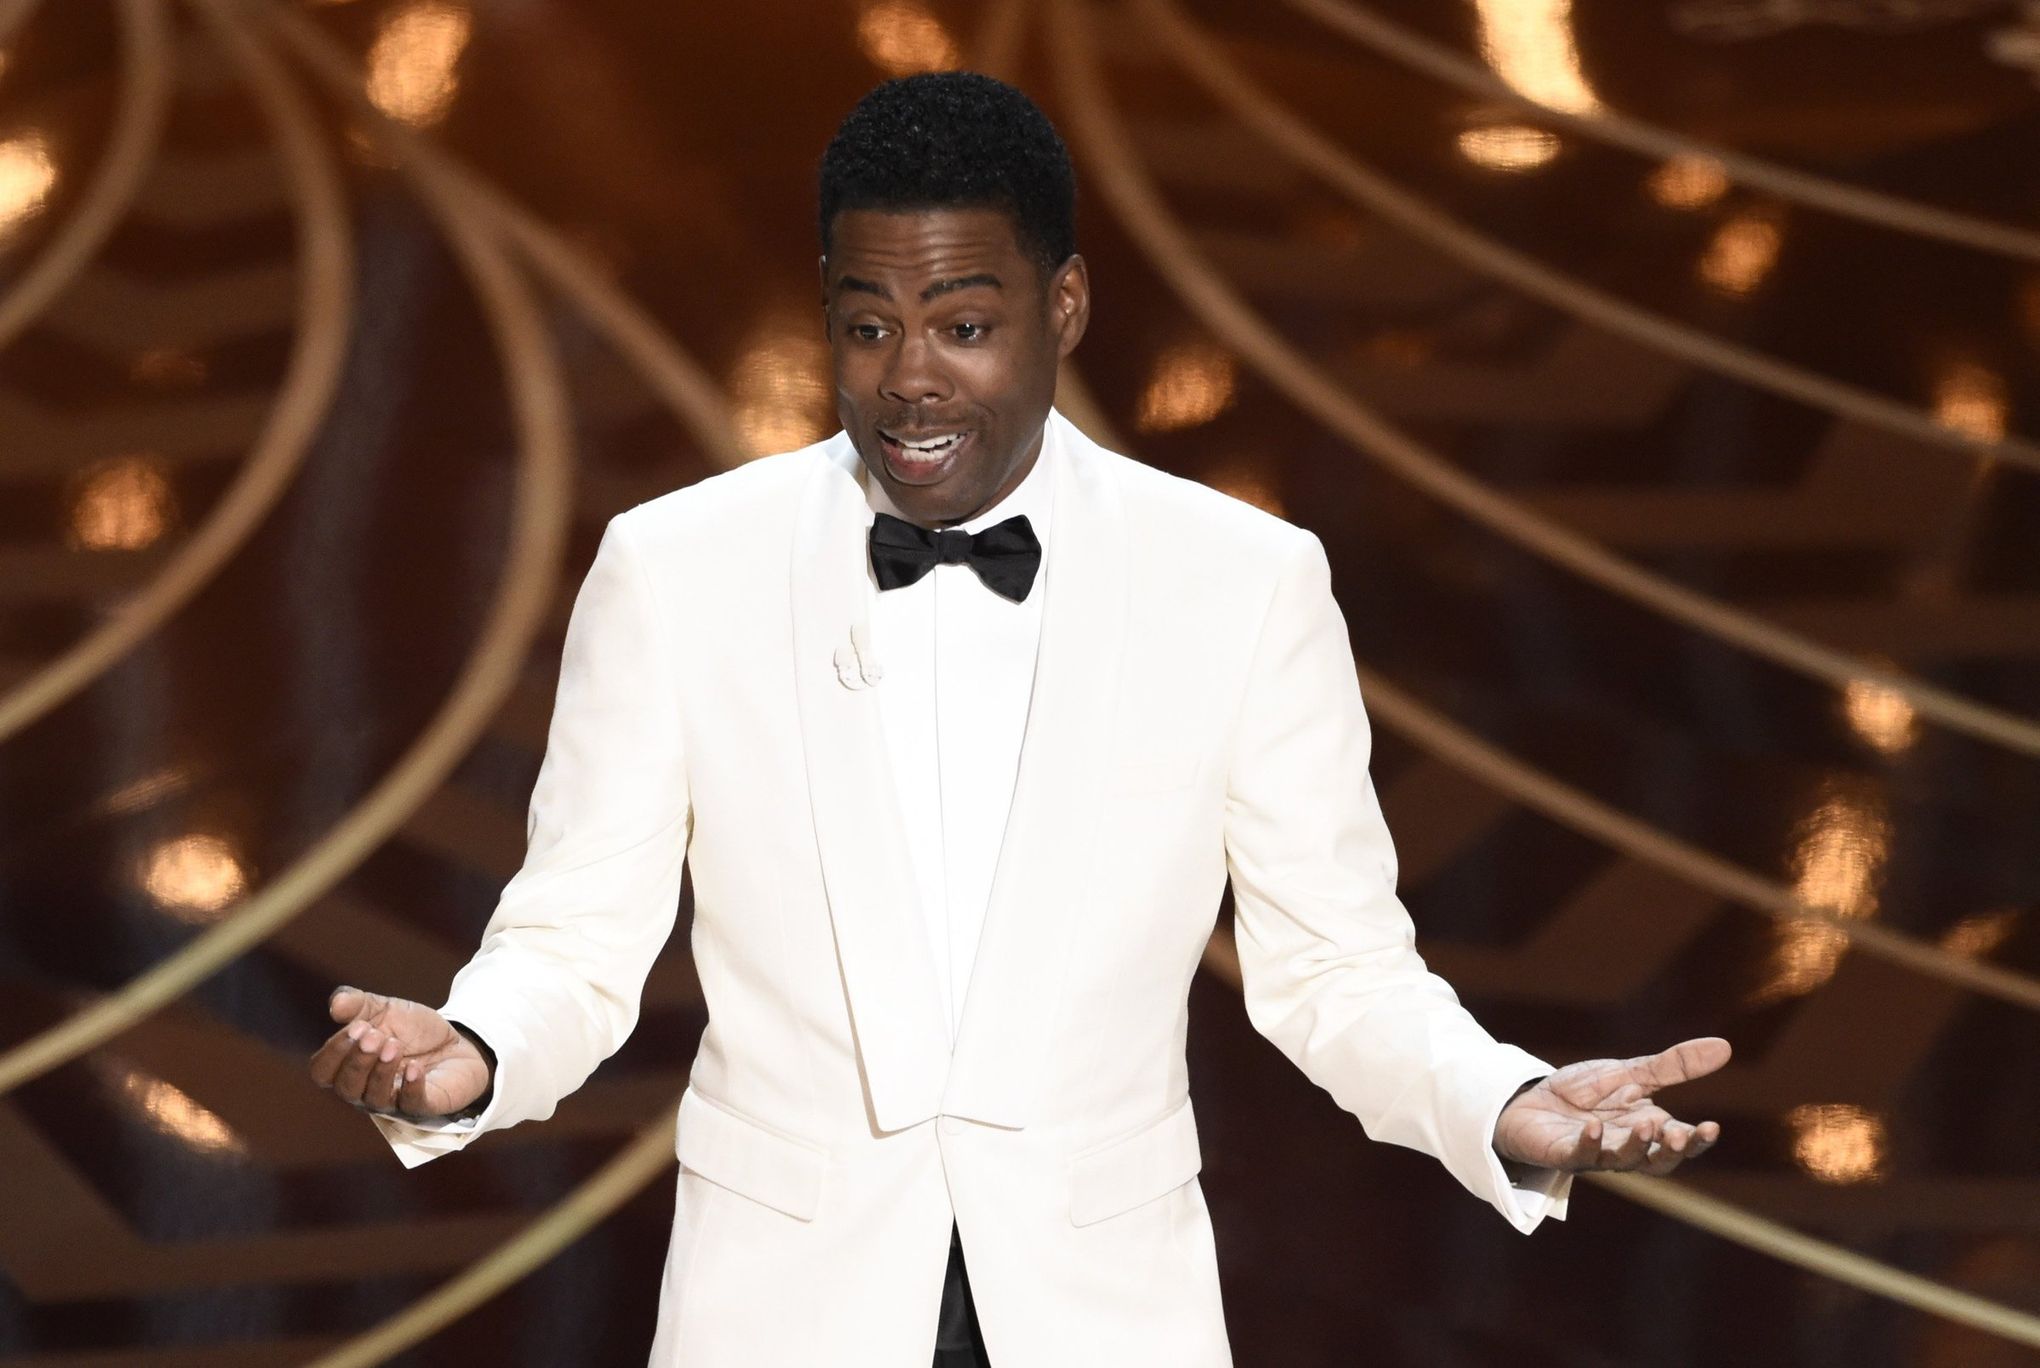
1603,1114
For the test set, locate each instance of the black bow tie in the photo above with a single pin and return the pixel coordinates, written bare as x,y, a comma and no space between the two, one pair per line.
1005,555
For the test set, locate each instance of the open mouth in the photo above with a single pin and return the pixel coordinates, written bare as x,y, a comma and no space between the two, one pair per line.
920,458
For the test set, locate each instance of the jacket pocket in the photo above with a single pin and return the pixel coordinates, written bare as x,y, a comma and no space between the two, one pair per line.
736,1152
1121,1174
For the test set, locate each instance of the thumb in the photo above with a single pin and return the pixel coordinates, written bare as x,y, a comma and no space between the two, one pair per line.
347,1003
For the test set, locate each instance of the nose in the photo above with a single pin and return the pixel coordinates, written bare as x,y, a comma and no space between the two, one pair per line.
913,374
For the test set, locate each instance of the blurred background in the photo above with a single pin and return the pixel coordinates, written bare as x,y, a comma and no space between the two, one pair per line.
1660,375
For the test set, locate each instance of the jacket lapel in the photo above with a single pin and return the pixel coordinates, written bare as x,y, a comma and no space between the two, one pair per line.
1041,887
888,968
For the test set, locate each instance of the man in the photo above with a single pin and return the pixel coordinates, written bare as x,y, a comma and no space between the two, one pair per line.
961,723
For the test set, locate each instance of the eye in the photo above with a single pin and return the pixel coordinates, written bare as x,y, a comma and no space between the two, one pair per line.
866,332
970,332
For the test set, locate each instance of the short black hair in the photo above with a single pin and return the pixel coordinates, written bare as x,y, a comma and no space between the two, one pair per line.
952,140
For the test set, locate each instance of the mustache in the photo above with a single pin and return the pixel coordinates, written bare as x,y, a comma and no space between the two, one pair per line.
911,423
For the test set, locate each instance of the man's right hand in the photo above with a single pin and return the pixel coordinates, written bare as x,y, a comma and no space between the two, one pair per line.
399,1057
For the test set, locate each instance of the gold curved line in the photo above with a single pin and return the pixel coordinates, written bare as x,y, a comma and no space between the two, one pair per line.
1683,1203
1424,219
324,300
697,403
539,513
147,62
1127,188
676,377
647,1155
1075,55
1440,736
1571,807
1822,192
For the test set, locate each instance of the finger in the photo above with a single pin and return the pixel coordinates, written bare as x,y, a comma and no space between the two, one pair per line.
1697,1140
1626,1147
328,1058
380,1093
1586,1146
1684,1062
411,1089
354,1072
1670,1150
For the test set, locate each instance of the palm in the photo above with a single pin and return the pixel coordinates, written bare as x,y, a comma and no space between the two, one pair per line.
394,1055
1603,1113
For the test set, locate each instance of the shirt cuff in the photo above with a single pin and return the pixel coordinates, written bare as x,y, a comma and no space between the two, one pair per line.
1528,1194
415,1142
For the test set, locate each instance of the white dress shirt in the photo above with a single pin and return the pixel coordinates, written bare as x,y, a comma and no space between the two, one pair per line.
958,663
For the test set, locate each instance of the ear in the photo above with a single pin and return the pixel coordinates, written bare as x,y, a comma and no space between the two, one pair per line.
822,267
1069,303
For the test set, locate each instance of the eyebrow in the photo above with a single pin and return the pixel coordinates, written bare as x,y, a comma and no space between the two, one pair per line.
943,287
854,285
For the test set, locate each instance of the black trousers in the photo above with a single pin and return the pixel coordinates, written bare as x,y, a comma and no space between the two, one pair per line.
958,1342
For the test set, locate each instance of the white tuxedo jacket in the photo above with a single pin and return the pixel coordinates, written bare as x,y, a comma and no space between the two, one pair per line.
1195,714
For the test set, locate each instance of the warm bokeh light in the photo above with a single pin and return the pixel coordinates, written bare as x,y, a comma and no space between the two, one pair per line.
1840,853
1882,716
1741,253
1977,936
1529,43
1971,399
1250,479
174,1112
1688,182
1806,955
1509,147
194,878
780,395
411,67
168,368
1192,383
1838,1143
901,38
125,504
27,175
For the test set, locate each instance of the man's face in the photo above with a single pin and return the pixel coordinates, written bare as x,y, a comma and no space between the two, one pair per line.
945,338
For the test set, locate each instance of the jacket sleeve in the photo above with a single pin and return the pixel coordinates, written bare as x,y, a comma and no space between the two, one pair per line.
554,987
1327,951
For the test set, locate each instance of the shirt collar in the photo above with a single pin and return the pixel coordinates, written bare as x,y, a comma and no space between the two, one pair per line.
1034,496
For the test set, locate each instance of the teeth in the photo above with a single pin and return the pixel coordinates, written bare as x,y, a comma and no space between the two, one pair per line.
931,444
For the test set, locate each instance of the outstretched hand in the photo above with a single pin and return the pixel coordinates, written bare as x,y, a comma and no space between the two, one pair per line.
397,1056
1603,1114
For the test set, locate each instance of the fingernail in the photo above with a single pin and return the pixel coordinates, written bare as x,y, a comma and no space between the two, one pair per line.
389,1052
